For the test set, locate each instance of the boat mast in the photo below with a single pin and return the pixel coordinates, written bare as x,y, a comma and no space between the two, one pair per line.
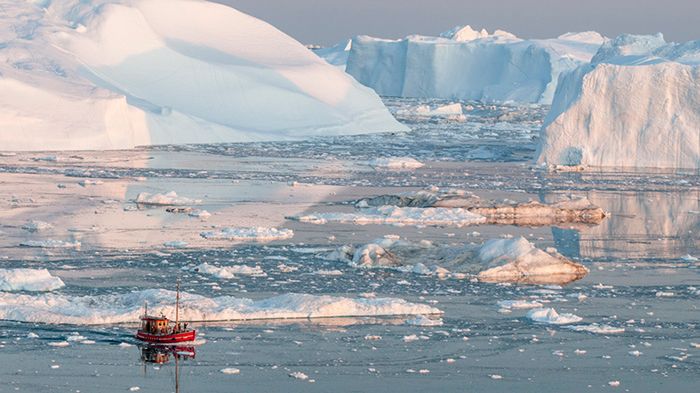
177,304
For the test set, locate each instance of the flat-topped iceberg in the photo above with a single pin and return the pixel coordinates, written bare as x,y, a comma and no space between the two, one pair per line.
122,308
467,64
636,105
112,74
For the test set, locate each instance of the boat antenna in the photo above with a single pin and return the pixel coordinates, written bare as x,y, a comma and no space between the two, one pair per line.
145,308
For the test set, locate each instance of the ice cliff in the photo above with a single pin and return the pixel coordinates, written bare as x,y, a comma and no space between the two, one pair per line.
637,104
467,64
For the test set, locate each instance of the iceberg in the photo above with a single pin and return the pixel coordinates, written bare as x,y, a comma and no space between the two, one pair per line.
114,74
470,65
637,104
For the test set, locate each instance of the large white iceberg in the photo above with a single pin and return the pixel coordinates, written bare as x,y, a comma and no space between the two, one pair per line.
111,74
466,64
636,105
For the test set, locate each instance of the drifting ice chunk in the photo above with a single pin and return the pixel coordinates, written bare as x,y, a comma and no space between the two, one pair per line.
228,272
105,309
598,329
596,119
168,199
437,216
146,72
28,280
36,226
50,243
551,316
574,210
396,163
260,234
518,260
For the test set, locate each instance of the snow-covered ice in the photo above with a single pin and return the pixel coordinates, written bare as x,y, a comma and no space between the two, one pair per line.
261,234
518,260
636,105
398,216
396,163
167,199
228,272
551,316
28,280
50,243
114,74
108,309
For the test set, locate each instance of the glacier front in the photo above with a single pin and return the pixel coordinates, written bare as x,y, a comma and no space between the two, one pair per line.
113,74
470,65
636,105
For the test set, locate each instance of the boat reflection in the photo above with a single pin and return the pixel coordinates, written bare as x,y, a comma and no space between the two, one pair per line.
161,354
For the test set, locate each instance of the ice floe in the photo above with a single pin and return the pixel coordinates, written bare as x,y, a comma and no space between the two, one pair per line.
260,234
39,280
228,272
396,163
597,328
500,260
168,199
36,226
567,210
518,260
551,316
50,243
399,216
118,308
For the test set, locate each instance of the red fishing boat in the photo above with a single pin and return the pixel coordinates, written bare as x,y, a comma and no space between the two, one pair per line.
161,330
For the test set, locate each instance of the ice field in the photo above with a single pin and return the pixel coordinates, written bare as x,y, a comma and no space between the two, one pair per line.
284,312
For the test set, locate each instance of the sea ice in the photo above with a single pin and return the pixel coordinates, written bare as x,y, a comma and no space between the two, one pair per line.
120,308
399,216
551,316
228,272
518,260
396,163
168,199
50,243
261,234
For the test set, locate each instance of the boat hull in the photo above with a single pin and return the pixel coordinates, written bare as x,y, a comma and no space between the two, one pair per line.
166,338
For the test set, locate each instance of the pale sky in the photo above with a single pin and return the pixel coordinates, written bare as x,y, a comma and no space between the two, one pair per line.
330,21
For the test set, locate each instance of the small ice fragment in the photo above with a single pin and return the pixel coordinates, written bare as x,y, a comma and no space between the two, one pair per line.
410,338
299,375
422,320
550,316
134,389
496,376
230,371
59,343
614,383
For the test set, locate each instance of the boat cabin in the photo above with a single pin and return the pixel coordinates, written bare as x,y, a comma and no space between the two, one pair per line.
155,325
